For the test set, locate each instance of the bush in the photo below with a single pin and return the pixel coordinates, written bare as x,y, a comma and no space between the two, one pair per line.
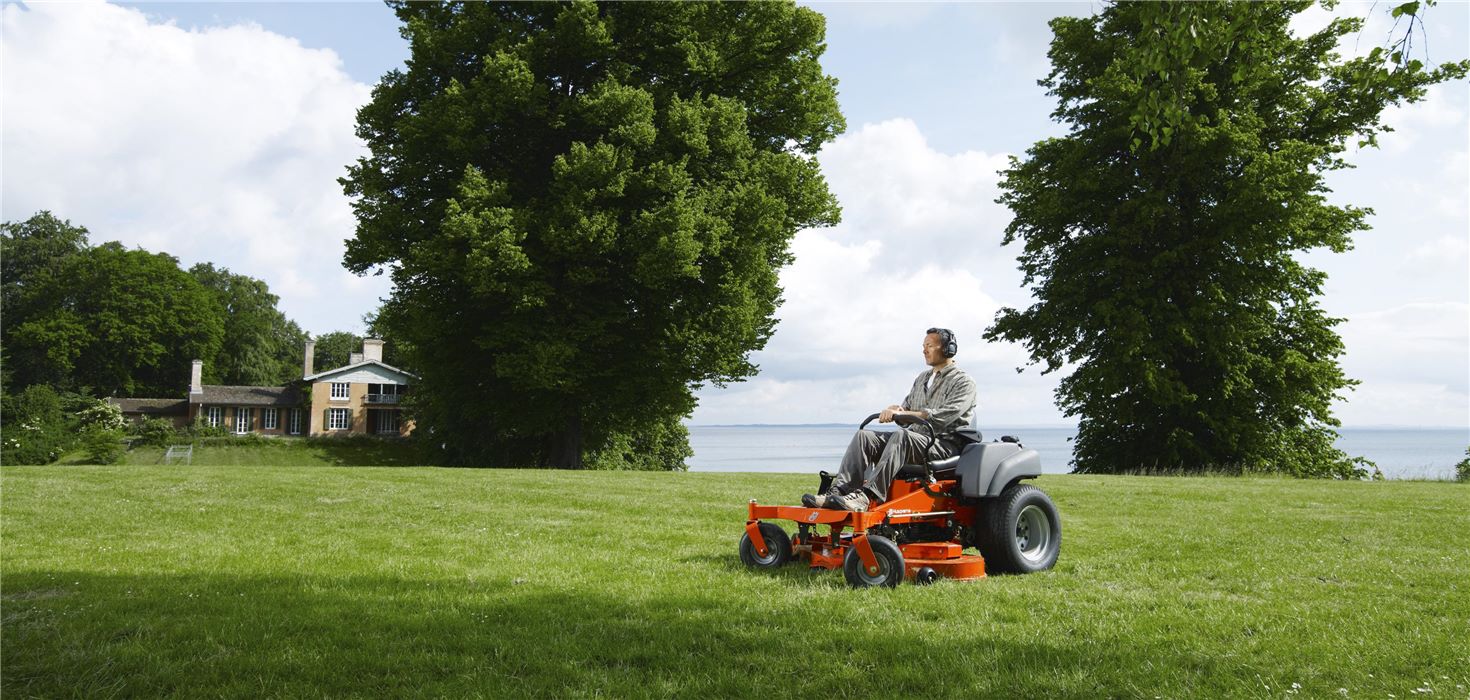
102,445
200,429
156,432
225,439
1462,470
1310,453
101,414
660,446
35,427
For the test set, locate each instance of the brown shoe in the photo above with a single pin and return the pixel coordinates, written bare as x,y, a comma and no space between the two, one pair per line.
856,502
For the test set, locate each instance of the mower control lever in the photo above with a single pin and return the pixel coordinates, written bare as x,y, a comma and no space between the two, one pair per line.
902,420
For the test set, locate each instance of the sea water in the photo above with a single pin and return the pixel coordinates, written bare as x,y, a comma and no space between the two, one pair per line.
1399,453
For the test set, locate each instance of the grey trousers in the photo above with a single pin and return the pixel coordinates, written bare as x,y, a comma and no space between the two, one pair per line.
874,457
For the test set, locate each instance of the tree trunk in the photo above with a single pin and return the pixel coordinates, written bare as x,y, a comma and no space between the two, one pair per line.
564,448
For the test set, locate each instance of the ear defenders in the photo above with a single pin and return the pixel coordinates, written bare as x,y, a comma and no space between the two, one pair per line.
946,336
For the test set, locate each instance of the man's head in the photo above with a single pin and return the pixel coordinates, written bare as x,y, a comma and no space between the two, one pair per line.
939,346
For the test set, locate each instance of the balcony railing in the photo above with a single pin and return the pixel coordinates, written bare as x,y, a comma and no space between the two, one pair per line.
383,398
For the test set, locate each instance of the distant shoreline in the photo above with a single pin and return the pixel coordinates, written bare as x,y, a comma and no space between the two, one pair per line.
1046,426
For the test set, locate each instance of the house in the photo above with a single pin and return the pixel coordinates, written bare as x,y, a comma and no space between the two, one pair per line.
361,397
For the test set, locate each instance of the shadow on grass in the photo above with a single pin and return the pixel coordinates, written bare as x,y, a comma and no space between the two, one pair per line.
83,634
361,451
367,452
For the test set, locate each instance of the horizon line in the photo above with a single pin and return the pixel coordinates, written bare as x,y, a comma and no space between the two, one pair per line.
1059,426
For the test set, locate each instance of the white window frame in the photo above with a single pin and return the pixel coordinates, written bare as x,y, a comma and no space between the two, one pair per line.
339,419
293,421
242,416
346,391
268,420
215,415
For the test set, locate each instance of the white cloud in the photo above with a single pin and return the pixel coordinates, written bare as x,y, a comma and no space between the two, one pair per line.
1441,108
218,145
1404,404
1414,362
1449,253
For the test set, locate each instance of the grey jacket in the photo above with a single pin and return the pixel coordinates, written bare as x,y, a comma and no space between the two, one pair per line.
950,402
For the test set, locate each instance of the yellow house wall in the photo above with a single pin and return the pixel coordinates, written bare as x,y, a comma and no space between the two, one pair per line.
356,402
357,394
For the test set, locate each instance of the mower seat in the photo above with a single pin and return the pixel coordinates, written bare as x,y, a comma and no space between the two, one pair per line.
916,471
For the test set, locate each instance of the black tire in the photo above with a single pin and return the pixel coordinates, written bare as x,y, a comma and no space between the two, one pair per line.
890,564
1021,531
778,548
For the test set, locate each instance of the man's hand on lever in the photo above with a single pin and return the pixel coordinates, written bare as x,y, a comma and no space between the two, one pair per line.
888,414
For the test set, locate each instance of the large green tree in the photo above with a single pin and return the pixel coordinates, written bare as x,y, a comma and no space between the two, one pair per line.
1162,235
334,349
112,320
260,345
584,208
31,253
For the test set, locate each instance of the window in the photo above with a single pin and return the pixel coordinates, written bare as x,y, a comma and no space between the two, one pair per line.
386,422
383,393
339,419
293,421
268,420
339,390
242,420
216,416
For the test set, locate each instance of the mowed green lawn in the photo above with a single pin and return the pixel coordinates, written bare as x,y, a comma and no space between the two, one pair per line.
328,581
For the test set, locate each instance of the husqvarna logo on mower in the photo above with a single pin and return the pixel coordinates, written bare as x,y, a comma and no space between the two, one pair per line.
812,518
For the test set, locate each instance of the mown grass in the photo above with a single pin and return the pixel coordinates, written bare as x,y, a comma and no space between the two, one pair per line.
324,581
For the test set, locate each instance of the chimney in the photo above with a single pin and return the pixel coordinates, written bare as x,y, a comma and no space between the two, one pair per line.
372,349
196,378
354,358
306,363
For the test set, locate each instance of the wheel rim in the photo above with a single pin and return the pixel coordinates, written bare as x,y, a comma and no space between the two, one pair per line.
768,559
884,567
1033,533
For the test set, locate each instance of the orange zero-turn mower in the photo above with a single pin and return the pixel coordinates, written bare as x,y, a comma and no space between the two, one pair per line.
933,512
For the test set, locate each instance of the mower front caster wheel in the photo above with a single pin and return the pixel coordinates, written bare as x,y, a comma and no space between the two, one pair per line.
890,565
778,548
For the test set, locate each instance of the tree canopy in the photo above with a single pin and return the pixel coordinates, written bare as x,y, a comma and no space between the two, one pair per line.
1162,233
260,346
113,321
120,322
32,253
584,208
334,349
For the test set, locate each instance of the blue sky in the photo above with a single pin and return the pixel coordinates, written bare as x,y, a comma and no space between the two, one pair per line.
215,132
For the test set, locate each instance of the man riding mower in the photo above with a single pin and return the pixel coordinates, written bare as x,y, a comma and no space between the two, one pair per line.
914,498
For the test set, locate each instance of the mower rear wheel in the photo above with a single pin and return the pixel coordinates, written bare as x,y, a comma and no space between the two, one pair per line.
1022,531
778,548
890,564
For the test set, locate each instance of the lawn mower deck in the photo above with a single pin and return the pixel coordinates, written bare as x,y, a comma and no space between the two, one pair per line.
909,505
